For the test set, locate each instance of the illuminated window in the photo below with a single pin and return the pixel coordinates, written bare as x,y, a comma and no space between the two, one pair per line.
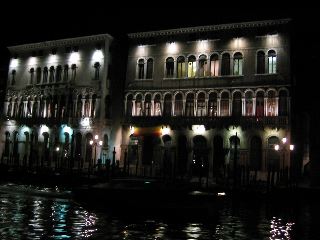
192,66
13,77
201,105
249,104
51,74
96,71
261,62
225,65
147,105
149,68
31,75
214,65
45,75
73,72
66,73
157,105
169,67
212,105
272,62
237,64
39,73
139,105
58,73
224,109
141,69
203,66
181,67
190,105
271,104
260,104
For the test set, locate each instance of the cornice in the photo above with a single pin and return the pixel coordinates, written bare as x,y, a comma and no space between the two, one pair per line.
210,28
60,43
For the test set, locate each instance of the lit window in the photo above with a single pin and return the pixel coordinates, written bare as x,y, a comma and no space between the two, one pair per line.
169,67
225,68
141,69
214,65
203,66
181,67
272,62
192,66
96,70
149,68
237,64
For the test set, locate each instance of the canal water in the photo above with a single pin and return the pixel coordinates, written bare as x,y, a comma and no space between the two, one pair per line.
24,215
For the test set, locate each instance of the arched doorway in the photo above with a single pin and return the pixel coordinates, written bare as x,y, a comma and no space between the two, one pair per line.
218,156
200,157
234,152
256,154
182,155
167,162
273,155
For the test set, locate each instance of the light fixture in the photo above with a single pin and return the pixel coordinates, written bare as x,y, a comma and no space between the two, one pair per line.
131,130
276,147
291,147
165,130
284,140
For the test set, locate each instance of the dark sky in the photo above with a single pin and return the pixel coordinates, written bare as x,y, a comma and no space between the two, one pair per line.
53,21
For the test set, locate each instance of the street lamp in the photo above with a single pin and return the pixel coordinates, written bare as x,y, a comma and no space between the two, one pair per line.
95,143
283,148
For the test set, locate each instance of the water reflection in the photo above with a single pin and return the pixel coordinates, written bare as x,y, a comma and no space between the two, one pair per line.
32,217
280,229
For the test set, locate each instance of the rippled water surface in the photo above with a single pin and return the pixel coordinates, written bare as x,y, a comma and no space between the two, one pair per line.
27,216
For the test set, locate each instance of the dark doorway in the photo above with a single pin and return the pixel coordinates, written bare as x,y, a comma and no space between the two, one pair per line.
182,155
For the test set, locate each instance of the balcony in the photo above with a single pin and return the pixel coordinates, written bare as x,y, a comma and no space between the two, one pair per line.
209,122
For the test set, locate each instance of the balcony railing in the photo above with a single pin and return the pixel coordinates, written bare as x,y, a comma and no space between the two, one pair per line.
209,122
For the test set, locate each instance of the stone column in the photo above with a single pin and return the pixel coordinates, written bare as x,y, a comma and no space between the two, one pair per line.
277,107
230,106
82,109
152,108
218,106
133,107
90,106
243,106
254,106
265,106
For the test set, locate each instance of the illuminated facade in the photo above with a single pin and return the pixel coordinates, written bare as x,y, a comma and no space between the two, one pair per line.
200,99
57,99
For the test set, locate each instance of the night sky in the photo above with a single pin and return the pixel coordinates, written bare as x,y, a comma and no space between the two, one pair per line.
29,24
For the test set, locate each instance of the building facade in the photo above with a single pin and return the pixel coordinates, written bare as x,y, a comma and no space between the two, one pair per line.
57,100
204,100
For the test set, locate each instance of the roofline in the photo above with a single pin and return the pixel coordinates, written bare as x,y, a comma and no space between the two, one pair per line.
60,42
210,28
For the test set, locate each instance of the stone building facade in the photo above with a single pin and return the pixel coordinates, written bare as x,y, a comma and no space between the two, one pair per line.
202,100
57,100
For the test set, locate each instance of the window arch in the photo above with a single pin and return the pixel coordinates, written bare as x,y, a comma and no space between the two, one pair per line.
283,103
66,73
203,66
39,73
149,68
147,105
140,69
45,75
225,65
224,111
249,103
214,65
13,77
31,75
271,104
73,72
58,73
96,67
234,149
190,104
169,67
139,105
260,104
51,75
167,108
237,64
256,153
157,105
213,104
272,61
192,66
261,61
178,105
181,67
237,104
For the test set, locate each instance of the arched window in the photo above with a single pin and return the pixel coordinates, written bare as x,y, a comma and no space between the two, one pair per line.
261,59
167,108
272,62
225,65
190,105
45,75
192,66
51,75
13,77
224,111
73,72
271,104
157,105
58,73
140,69
260,104
236,105
66,73
237,64
149,68
249,103
256,153
87,106
96,71
181,67
178,105
31,76
39,73
201,105
129,105
214,65
169,67
203,66
213,104
139,105
147,105
283,103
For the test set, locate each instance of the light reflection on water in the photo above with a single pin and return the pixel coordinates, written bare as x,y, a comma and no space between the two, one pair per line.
32,217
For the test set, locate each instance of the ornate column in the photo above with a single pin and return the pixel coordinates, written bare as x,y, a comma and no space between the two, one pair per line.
90,106
253,106
206,107
277,107
25,108
243,101
195,107
265,106
218,106
133,107
82,109
230,106
152,108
